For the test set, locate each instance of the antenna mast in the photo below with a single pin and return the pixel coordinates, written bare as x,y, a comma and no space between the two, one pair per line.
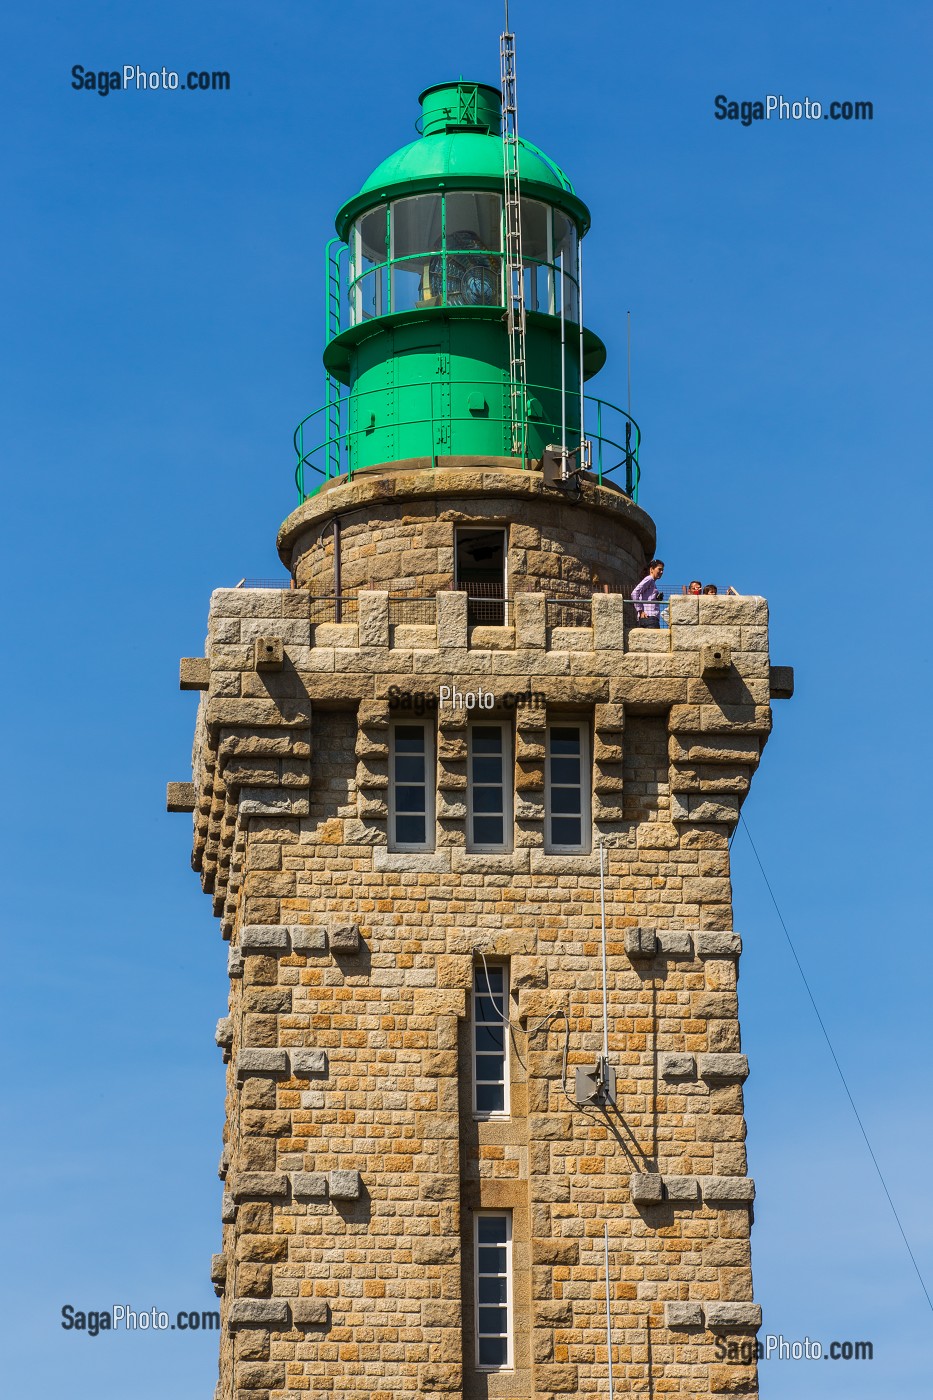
514,272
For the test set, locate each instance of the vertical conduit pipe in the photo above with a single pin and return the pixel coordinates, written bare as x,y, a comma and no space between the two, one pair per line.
608,1311
581,463
563,368
602,916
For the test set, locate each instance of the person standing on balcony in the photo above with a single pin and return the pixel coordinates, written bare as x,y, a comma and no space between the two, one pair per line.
647,598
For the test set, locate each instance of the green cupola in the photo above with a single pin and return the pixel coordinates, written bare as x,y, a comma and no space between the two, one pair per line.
417,353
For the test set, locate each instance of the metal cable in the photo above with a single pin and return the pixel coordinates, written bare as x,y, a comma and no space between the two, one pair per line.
816,1009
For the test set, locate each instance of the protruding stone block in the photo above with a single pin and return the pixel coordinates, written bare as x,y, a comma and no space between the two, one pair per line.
344,1185
715,659
675,942
647,1189
234,962
268,653
529,614
228,1208
260,1186
686,1315
723,1067
681,1188
304,1063
710,944
258,1312
256,1061
194,673
305,939
733,1317
452,629
309,1186
373,618
219,1273
344,938
641,943
264,938
223,1034
725,1190
180,797
781,682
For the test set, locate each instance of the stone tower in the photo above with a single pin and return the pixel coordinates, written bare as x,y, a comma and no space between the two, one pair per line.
465,826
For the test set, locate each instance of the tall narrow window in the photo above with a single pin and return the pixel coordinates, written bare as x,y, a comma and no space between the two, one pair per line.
490,1040
411,788
567,788
493,1283
489,788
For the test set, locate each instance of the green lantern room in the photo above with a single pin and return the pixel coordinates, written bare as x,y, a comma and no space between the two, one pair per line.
442,259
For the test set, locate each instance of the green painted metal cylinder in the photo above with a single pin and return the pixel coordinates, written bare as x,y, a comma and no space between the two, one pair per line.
422,346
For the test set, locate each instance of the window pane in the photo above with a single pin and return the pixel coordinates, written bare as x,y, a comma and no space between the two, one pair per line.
409,738
416,235
487,800
416,225
571,306
371,230
565,242
490,978
410,831
490,1098
409,799
490,1039
565,770
486,739
566,801
566,831
490,1067
488,1008
565,740
492,1229
479,215
493,1351
492,1290
536,229
487,768
494,1320
488,831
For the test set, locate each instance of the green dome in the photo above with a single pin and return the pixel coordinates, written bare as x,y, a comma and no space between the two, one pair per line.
462,154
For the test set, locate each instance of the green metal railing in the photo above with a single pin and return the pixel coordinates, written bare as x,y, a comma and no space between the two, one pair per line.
326,445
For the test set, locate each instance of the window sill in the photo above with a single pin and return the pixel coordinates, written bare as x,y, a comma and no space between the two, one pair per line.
423,861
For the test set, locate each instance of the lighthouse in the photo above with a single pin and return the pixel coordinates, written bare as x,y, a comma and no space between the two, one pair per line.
465,827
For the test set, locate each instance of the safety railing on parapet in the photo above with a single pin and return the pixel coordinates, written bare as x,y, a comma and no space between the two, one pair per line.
613,435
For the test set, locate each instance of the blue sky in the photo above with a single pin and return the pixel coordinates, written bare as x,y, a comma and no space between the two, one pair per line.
161,257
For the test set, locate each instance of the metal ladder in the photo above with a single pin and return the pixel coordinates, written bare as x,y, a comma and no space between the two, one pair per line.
332,400
514,272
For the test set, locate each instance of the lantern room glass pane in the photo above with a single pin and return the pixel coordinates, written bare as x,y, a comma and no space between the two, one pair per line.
565,242
536,231
479,215
415,235
370,247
